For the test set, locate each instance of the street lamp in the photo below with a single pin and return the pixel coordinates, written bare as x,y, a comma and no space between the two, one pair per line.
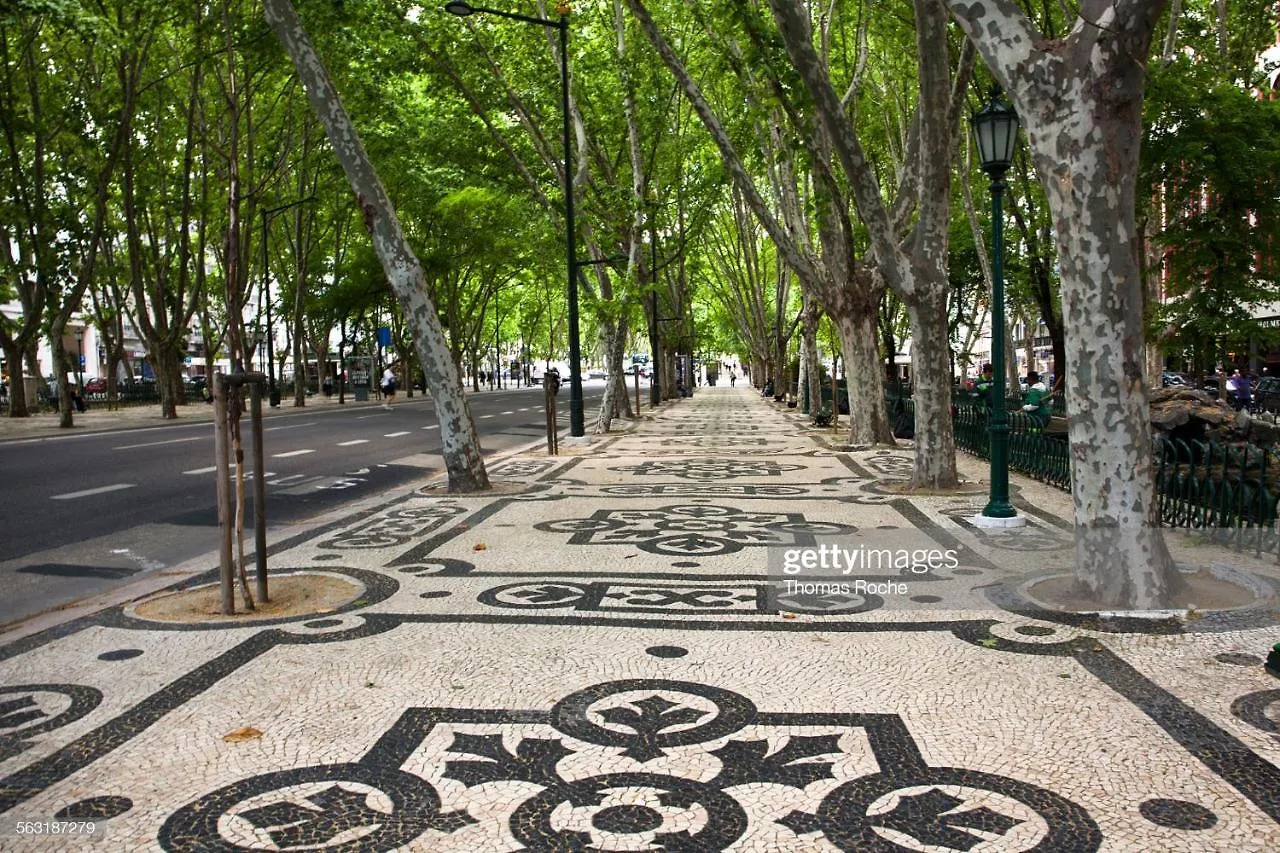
80,357
995,129
577,424
273,394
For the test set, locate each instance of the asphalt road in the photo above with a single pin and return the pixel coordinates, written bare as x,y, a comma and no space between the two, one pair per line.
82,514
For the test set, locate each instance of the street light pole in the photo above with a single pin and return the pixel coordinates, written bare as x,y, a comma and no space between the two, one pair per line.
996,129
577,423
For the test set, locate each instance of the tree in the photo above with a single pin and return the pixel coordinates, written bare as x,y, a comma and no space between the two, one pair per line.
1080,99
463,462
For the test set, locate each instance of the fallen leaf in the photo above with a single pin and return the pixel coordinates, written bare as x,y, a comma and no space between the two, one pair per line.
788,616
479,546
241,735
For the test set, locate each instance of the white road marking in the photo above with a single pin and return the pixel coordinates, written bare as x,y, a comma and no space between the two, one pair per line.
284,480
158,443
98,491
291,453
353,441
510,412
433,426
486,416
396,434
290,426
208,470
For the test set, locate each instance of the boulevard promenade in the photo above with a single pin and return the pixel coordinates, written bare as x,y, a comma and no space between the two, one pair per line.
604,653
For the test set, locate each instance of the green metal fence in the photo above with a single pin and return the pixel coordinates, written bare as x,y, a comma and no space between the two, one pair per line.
1228,491
1232,492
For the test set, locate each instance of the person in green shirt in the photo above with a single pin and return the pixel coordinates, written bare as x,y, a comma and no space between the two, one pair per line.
1037,405
983,386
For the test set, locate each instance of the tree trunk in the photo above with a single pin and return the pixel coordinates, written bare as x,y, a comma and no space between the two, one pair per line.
813,365
462,455
868,420
1080,98
935,444
13,356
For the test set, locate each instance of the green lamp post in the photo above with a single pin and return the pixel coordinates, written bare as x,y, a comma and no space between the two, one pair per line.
995,129
577,420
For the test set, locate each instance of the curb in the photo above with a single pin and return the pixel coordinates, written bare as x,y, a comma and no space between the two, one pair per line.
175,576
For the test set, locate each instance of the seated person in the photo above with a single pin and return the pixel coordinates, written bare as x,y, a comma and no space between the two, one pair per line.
1037,405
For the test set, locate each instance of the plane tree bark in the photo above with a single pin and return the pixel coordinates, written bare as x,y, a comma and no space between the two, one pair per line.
462,457
1080,99
915,267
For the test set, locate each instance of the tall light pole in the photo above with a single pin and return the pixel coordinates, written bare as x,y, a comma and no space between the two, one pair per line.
995,128
273,394
577,423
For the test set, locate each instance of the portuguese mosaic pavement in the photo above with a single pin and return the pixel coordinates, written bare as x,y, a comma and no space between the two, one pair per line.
594,660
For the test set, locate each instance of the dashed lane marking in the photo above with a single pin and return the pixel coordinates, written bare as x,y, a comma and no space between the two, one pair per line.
291,453
88,492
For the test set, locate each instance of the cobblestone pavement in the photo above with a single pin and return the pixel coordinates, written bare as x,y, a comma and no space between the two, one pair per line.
591,658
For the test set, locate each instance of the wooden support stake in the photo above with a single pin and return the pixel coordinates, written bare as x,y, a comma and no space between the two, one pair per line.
222,476
259,492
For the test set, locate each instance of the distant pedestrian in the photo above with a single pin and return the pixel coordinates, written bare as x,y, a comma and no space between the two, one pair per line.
388,386
733,377
1239,387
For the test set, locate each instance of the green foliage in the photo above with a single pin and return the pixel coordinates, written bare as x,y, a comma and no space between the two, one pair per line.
1211,160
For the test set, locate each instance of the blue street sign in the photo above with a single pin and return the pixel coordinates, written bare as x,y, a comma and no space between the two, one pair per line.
384,336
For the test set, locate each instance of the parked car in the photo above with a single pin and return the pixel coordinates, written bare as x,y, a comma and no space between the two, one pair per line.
1266,395
96,385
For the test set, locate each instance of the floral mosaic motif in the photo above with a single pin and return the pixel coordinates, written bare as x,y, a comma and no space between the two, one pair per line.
709,469
632,597
706,490
709,441
29,710
523,467
693,530
395,528
889,464
623,765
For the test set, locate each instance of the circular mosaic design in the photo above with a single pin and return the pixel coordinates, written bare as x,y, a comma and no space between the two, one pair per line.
642,724
575,816
942,808
340,808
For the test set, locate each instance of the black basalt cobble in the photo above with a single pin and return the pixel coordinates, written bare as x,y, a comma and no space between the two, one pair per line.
1238,659
666,651
1177,814
95,808
120,654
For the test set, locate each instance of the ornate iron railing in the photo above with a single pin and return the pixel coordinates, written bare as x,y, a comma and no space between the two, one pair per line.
1228,491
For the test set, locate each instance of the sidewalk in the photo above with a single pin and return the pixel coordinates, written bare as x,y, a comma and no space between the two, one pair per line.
591,657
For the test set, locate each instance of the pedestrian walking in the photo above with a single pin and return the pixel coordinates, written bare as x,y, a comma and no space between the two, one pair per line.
388,386
1239,387
733,377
